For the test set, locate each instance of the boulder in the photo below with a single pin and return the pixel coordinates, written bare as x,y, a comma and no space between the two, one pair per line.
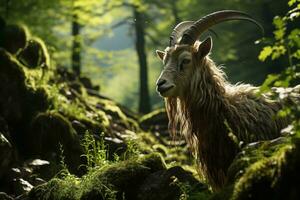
6,155
13,38
34,54
169,184
51,136
4,196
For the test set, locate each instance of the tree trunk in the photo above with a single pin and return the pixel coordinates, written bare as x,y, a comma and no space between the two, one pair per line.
175,12
144,100
76,47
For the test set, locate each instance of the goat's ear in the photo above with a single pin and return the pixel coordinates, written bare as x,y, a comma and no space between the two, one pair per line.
204,48
160,54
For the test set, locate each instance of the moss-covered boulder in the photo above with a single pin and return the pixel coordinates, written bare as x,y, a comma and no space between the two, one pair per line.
155,121
34,54
273,177
265,170
115,181
17,98
13,37
12,87
4,196
52,135
124,178
168,184
6,155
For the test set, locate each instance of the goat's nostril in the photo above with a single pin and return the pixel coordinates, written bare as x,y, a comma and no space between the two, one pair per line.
160,82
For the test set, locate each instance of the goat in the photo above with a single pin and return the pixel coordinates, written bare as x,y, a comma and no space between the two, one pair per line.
208,110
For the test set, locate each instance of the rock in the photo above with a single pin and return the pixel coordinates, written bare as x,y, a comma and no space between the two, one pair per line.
4,128
13,38
11,88
18,101
4,196
34,54
124,177
36,163
252,153
155,121
37,181
21,186
265,170
50,130
166,184
116,181
86,82
79,127
6,155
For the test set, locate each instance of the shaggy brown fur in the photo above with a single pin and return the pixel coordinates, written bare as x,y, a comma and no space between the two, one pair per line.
211,108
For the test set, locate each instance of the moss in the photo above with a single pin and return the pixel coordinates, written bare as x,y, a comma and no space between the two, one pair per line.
273,175
252,154
22,91
112,109
34,54
12,87
108,182
154,118
49,130
66,189
76,109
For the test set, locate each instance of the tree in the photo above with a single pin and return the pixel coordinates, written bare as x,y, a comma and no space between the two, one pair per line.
144,101
76,47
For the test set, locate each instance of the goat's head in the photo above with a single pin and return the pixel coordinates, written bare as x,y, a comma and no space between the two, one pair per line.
185,54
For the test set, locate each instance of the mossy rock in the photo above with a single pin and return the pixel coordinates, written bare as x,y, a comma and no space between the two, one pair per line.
18,100
34,54
269,171
253,153
172,183
124,178
275,177
156,118
115,181
56,189
13,38
12,87
48,131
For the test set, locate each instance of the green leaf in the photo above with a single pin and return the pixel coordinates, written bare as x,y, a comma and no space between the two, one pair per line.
279,22
292,2
279,33
265,53
278,51
268,82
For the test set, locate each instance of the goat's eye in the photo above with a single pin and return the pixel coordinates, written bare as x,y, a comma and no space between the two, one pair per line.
184,62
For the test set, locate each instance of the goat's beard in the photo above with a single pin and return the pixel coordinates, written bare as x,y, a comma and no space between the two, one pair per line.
179,121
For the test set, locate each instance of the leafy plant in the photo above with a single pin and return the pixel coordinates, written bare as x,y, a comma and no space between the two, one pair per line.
286,43
96,153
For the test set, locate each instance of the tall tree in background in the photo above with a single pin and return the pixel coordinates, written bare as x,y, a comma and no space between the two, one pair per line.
144,100
76,45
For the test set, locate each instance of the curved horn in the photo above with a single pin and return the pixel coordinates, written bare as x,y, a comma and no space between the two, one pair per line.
200,26
179,30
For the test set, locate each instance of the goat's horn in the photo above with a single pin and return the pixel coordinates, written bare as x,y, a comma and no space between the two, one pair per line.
179,30
203,24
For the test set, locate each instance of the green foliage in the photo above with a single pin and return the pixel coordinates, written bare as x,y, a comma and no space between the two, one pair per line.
95,152
102,183
286,43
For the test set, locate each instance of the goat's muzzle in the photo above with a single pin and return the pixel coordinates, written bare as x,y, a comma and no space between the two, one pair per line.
162,86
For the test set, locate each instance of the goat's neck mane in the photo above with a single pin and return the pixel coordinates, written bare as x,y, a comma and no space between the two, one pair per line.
200,102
